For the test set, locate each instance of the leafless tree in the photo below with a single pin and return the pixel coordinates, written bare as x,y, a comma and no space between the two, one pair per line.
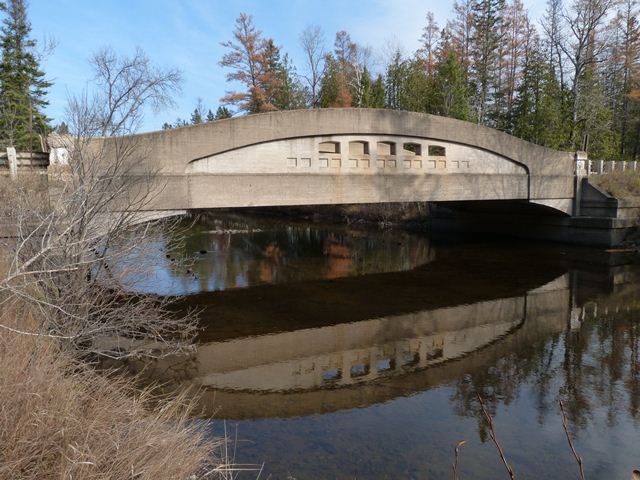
126,85
73,259
581,48
553,30
430,38
312,43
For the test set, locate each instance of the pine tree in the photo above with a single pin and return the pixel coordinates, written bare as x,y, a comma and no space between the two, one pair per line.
451,96
22,84
377,94
537,114
395,80
334,91
417,91
196,117
62,129
247,57
285,91
222,112
210,116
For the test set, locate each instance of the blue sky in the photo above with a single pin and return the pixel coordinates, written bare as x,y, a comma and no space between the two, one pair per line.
187,34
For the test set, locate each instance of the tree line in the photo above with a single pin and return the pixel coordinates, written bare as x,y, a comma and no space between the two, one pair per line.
570,82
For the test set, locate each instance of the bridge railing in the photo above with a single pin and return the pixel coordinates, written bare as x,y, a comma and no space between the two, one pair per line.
599,167
12,162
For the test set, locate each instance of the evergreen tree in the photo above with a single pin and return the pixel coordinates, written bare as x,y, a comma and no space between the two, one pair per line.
537,114
285,91
377,94
196,117
334,91
395,81
22,84
417,91
222,112
249,61
210,116
62,129
451,88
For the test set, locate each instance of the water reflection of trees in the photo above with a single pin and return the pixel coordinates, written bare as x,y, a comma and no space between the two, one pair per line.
593,367
235,252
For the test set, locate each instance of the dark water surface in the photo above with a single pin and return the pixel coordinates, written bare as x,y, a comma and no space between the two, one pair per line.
354,353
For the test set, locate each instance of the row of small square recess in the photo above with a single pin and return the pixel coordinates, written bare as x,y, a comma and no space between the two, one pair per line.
411,157
360,148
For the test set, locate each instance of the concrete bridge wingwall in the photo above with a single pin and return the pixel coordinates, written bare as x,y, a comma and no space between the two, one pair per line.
339,156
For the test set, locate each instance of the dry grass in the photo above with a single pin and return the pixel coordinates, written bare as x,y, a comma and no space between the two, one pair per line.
62,420
620,184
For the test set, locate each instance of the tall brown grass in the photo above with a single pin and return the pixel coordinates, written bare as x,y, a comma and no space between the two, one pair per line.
60,419
620,184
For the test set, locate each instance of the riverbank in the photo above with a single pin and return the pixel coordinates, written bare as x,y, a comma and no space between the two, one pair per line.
61,419
410,216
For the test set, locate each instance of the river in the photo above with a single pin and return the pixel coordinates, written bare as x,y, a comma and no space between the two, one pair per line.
341,352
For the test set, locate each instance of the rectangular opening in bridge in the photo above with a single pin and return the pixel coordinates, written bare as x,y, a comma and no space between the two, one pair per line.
329,147
437,151
358,148
386,148
410,359
435,354
331,374
324,162
385,364
411,148
359,370
305,162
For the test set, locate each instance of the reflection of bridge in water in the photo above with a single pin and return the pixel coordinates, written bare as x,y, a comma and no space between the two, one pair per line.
284,365
353,365
354,353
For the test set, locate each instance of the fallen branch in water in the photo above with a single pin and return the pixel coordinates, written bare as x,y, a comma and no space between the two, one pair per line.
566,430
492,432
455,462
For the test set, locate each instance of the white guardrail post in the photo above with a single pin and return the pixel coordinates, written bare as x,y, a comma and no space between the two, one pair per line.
12,160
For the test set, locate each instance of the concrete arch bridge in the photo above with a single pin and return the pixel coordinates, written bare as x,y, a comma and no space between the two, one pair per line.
349,156
479,179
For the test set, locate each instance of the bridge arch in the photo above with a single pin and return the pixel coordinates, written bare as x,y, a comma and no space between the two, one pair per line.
324,156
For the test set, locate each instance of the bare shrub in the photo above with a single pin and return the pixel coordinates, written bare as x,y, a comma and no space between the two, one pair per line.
62,261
